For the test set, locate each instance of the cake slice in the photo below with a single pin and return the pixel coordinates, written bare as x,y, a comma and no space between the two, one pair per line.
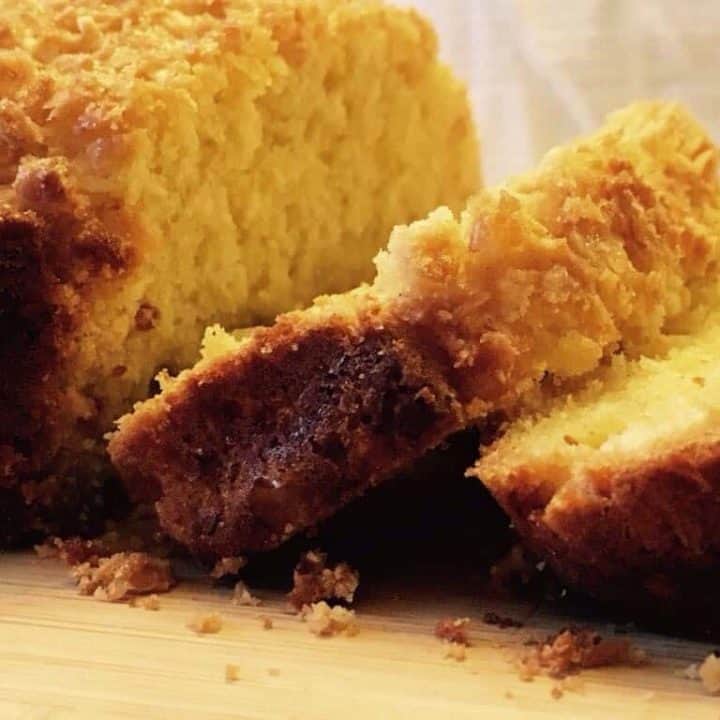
167,164
618,484
606,249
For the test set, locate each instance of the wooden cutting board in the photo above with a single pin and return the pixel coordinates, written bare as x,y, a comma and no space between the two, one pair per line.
63,656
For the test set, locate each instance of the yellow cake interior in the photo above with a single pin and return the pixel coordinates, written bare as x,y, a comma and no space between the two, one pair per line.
629,414
255,153
609,247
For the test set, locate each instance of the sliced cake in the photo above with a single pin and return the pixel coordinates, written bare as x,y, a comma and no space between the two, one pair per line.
606,249
618,484
167,164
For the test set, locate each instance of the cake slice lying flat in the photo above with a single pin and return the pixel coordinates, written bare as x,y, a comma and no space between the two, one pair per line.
606,248
618,486
167,164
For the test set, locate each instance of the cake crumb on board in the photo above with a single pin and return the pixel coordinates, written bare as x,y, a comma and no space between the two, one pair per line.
574,649
707,672
122,576
206,623
243,596
453,630
266,622
232,673
314,581
326,621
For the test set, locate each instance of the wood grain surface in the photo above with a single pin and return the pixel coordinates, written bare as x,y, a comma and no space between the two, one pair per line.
63,656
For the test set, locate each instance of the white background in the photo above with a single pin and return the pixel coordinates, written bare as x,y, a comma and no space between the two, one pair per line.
541,71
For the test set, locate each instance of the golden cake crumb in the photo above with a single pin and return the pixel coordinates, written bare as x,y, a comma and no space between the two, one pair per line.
575,649
325,621
232,673
456,651
266,622
206,623
149,602
243,596
709,673
123,575
314,581
453,630
228,566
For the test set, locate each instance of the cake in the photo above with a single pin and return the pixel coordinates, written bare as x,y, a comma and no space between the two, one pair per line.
606,250
618,484
168,164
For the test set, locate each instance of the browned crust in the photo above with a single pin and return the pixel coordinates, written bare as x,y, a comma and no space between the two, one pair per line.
279,435
52,254
644,538
32,322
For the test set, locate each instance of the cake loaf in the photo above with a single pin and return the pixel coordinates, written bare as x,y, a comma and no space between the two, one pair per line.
618,484
604,250
166,164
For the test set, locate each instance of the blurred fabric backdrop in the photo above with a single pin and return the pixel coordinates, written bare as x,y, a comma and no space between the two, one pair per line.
541,71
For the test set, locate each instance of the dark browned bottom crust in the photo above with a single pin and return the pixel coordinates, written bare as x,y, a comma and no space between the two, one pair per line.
52,256
264,444
645,540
